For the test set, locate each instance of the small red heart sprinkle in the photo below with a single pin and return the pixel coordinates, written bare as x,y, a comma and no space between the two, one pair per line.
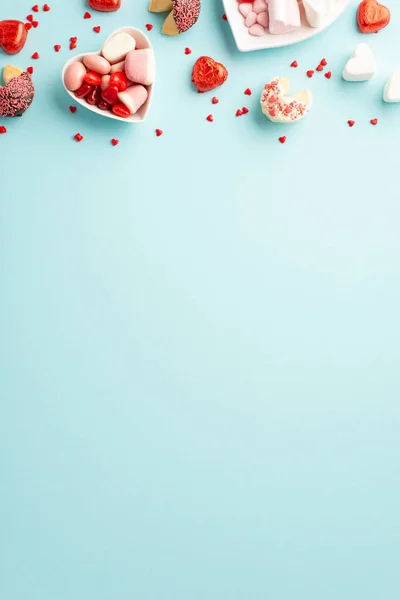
215,100
57,47
374,121
35,8
319,68
225,18
97,29
188,51
328,75
310,73
210,118
78,137
295,64
28,26
30,70
114,142
282,139
72,46
248,92
351,123
87,15
72,109
245,110
159,132
149,26
46,8
35,56
3,129
324,62
35,24
29,18
239,112
73,39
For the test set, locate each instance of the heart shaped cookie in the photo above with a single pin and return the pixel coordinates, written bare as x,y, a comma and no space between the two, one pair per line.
372,16
105,5
141,43
208,74
12,36
361,65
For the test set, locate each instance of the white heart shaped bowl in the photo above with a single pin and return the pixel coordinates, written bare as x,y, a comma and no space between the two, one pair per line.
142,41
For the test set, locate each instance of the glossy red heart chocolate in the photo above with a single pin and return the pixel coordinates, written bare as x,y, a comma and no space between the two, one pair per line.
105,5
372,16
12,36
208,74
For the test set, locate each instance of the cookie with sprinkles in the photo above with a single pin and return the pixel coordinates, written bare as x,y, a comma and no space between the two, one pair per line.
17,95
279,107
183,16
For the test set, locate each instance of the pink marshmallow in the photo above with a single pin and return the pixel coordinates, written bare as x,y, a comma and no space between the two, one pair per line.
259,6
284,16
263,19
134,97
256,30
251,19
245,8
140,66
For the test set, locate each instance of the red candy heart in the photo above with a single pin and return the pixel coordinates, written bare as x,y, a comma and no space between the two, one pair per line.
208,74
372,16
114,142
97,29
351,123
374,121
46,8
282,139
105,5
210,118
149,26
87,15
159,132
110,95
72,109
13,36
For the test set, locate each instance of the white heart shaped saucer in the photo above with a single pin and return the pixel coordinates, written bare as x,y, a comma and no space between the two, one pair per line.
142,41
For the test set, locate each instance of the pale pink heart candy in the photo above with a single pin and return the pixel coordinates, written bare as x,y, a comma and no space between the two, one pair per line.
251,19
105,82
256,30
117,47
244,8
140,66
262,19
74,75
259,6
134,97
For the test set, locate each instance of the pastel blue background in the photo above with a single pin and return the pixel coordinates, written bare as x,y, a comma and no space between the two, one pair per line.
199,333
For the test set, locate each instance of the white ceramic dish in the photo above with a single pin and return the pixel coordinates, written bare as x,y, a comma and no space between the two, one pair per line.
141,42
246,42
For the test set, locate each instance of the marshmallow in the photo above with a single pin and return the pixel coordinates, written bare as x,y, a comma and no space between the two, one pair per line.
318,11
117,47
391,92
251,19
140,66
281,108
361,65
284,16
134,97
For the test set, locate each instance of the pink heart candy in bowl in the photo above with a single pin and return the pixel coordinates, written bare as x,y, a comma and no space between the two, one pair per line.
142,42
